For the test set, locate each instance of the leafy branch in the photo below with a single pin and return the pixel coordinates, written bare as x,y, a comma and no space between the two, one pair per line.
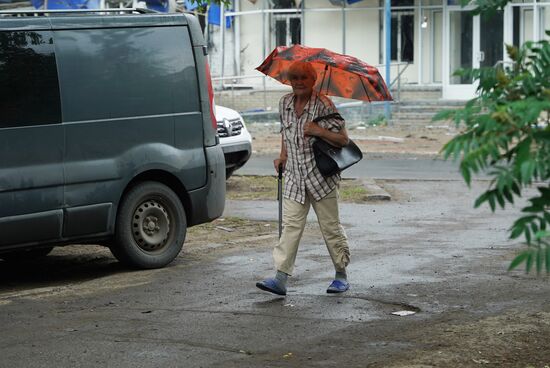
506,133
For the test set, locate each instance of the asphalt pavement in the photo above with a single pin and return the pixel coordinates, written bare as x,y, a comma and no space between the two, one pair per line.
425,252
411,168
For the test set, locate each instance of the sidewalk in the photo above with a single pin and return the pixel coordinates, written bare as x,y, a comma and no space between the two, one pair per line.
445,262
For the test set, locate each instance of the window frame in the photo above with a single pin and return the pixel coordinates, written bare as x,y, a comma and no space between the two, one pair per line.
404,8
399,44
287,17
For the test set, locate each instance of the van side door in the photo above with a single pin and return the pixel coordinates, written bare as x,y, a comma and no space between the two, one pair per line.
130,105
31,139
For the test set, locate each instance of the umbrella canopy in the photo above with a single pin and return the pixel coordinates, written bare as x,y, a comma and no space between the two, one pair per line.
337,74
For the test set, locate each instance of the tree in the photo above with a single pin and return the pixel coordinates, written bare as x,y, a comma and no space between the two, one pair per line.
506,133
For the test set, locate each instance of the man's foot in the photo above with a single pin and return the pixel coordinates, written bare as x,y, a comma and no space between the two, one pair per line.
272,285
338,286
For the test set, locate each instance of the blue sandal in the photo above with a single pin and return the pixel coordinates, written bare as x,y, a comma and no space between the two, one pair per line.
338,286
272,285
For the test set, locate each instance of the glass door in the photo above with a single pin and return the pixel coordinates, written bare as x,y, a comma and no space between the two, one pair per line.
471,42
491,39
459,53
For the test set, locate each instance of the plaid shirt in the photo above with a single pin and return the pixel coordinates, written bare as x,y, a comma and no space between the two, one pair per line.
301,172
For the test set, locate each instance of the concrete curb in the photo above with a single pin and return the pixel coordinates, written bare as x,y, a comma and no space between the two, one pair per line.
375,192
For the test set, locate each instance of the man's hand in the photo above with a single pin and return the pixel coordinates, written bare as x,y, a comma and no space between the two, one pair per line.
312,129
279,161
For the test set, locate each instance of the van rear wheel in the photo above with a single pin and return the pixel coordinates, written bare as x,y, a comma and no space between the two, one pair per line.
150,227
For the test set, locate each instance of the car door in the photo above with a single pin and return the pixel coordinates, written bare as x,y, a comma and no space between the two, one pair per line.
31,138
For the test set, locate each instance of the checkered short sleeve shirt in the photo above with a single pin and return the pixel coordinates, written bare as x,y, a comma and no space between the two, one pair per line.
301,172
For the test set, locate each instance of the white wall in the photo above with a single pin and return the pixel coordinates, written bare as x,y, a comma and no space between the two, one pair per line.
363,28
215,51
527,25
432,46
324,29
252,52
545,21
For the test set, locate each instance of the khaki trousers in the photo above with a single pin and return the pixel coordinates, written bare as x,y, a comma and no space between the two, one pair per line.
294,221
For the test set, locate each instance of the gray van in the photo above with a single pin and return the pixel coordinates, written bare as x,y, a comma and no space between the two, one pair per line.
107,133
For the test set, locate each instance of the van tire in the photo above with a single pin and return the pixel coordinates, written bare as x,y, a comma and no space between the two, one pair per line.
150,226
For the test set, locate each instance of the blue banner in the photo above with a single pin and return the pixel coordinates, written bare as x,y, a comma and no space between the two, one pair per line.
214,14
67,4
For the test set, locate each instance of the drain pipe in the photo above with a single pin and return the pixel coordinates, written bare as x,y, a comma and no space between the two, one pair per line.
344,27
222,43
237,39
387,29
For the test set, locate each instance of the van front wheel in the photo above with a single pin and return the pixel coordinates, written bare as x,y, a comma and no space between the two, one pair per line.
150,227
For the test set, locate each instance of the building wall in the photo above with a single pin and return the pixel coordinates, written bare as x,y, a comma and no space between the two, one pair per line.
325,29
428,47
253,49
215,51
363,36
545,21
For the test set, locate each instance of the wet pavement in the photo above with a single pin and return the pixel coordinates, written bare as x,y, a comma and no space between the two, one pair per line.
426,251
375,166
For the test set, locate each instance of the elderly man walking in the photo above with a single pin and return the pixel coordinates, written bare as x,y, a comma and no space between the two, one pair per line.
304,184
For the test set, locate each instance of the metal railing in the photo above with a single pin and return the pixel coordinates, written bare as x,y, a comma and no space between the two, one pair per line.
398,80
39,12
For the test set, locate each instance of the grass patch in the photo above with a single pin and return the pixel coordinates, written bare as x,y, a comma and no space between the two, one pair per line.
265,188
252,187
352,191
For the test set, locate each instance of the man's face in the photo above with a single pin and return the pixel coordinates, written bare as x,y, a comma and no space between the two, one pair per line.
302,82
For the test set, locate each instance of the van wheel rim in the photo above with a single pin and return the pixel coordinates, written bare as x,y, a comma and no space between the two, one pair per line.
151,225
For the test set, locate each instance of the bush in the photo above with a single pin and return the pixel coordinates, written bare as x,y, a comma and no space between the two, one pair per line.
506,133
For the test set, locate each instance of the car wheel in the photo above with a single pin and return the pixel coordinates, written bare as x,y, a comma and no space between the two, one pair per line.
150,227
26,255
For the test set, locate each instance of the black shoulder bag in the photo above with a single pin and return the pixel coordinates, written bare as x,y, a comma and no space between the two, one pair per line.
332,160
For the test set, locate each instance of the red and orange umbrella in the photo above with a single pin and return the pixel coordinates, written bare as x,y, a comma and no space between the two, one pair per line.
337,74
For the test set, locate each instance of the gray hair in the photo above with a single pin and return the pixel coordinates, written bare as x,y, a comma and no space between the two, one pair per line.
300,66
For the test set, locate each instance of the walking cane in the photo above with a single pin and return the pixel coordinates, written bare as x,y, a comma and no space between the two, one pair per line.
280,198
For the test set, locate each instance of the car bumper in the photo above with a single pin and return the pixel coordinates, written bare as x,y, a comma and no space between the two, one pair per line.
207,203
236,155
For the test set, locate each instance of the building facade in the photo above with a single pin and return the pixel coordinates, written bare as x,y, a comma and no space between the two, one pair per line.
430,39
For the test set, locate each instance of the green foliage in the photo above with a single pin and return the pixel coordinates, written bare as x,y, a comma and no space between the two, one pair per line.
506,133
379,120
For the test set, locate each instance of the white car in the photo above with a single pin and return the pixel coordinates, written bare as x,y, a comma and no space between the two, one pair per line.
235,139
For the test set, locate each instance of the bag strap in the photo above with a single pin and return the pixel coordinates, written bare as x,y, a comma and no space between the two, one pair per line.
334,115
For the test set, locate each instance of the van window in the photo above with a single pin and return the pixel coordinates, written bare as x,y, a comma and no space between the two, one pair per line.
29,91
126,72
